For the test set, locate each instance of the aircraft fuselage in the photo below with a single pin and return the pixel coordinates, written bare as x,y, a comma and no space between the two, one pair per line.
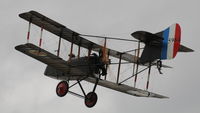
77,68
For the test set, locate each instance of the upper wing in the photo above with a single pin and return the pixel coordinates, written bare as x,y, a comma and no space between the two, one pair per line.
69,35
126,89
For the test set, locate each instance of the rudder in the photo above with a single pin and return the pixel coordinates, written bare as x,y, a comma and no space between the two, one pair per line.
171,42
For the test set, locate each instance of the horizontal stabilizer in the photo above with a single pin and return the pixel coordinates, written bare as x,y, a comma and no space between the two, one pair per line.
163,65
166,66
183,48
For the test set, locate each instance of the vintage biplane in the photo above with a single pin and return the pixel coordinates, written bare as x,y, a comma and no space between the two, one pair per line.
92,68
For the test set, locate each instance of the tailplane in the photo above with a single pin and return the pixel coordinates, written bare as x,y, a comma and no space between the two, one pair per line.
162,45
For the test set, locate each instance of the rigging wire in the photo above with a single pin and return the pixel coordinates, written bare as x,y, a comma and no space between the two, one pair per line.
112,38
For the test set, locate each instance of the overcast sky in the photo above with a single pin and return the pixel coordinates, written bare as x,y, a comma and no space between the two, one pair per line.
24,88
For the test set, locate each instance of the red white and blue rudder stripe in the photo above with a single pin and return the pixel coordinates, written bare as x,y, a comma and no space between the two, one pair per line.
171,42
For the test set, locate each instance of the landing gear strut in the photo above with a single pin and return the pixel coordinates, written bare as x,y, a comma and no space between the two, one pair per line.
62,88
91,97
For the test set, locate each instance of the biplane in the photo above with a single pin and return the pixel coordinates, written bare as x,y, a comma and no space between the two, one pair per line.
92,67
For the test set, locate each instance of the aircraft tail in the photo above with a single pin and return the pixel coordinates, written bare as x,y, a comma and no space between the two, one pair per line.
162,45
171,41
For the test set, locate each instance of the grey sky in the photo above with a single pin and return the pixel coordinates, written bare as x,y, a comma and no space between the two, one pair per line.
23,88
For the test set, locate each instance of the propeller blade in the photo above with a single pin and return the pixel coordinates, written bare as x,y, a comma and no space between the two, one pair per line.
105,59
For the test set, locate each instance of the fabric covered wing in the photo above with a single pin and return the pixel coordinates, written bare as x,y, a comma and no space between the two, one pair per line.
43,56
125,89
69,35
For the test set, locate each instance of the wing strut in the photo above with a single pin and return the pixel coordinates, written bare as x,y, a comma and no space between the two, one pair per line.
137,66
79,51
71,51
119,67
134,64
72,46
29,31
41,33
149,72
59,43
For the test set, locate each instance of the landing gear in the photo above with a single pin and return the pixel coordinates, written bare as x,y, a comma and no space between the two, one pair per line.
91,99
62,88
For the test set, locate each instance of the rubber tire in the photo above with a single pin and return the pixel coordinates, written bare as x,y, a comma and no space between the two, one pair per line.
91,99
63,86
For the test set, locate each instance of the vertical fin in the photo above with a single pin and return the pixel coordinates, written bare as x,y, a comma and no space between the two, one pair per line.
177,39
171,42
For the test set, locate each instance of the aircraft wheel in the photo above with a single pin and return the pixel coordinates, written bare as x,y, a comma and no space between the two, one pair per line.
91,99
62,88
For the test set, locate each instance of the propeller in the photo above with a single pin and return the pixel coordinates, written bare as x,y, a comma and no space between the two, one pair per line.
103,60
